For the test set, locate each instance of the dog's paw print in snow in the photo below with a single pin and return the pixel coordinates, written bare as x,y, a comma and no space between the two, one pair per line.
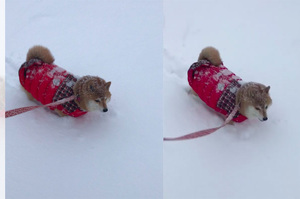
14,60
174,66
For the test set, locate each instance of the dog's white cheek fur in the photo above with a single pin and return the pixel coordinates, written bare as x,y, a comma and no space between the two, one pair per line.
93,106
251,112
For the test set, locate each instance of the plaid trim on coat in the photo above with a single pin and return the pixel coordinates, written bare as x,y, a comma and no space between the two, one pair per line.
227,99
216,86
48,83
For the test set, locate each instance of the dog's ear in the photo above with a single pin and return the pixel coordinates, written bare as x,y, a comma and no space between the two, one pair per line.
92,88
107,85
267,89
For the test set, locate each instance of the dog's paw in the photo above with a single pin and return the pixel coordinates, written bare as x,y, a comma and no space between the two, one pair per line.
190,91
231,123
60,113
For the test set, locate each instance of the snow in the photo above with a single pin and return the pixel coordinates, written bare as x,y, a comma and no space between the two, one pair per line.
111,155
56,82
118,154
260,42
2,99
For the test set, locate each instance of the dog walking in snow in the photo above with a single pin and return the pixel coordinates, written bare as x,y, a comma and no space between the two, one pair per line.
222,90
47,83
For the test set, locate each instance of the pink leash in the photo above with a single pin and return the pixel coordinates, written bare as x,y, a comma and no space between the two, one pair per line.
18,111
206,131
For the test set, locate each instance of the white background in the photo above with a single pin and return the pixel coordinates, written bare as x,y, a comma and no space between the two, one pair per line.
117,154
259,41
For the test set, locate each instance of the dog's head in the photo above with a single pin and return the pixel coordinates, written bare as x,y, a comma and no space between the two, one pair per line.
254,100
92,93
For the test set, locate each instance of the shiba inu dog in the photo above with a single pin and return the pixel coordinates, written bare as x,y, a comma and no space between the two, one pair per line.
254,100
222,90
46,83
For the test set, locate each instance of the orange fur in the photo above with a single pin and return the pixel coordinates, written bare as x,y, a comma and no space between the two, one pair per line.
254,95
41,53
211,54
90,88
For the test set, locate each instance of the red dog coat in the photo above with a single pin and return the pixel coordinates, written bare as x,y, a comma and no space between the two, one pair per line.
216,86
48,83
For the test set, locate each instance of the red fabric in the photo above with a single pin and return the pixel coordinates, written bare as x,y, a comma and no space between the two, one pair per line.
42,80
209,82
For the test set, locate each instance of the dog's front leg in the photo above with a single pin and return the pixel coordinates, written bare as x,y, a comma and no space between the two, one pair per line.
60,113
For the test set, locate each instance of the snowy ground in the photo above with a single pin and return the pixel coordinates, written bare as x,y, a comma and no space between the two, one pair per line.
112,155
119,154
259,41
2,136
2,99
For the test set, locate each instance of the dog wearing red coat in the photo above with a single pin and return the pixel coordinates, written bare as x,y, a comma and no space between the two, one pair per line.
46,82
222,90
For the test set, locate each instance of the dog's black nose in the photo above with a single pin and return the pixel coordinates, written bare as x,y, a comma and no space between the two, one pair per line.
265,118
105,110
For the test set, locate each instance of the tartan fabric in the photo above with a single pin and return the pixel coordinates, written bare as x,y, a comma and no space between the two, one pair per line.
199,63
66,90
31,62
227,99
214,84
48,83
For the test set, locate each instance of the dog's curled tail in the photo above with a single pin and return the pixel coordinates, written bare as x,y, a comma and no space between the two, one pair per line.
211,54
40,52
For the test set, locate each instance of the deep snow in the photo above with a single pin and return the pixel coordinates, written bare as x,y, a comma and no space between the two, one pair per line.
117,154
259,41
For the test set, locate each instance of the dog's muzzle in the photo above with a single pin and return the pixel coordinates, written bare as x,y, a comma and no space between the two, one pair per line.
264,119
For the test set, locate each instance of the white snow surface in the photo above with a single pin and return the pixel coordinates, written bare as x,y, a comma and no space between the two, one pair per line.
2,99
111,155
258,41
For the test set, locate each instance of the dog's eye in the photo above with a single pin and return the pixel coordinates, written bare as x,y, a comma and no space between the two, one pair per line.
257,108
266,107
97,100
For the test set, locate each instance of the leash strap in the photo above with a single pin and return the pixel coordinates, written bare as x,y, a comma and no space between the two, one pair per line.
18,111
206,131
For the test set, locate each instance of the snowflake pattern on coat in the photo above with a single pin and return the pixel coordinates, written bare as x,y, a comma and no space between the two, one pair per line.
216,86
48,83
